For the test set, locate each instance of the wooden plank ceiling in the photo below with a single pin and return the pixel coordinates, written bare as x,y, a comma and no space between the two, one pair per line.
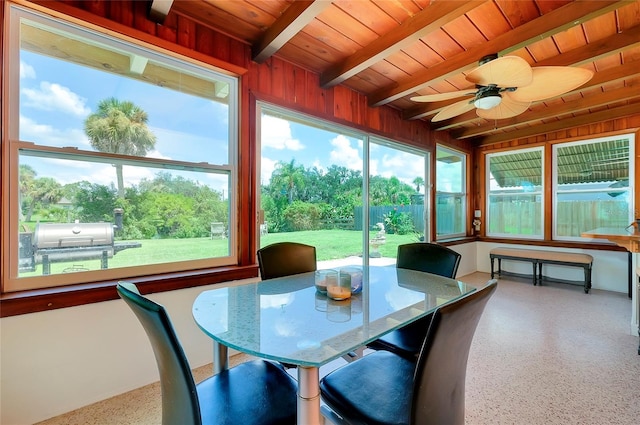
392,50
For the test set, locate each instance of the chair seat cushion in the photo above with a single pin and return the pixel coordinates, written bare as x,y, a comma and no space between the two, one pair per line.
406,341
375,389
252,393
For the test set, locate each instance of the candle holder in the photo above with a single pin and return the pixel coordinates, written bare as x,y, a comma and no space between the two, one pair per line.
340,288
323,278
355,277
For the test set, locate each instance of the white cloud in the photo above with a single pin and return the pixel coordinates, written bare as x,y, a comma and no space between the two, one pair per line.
157,155
373,167
266,169
42,134
26,71
319,165
276,134
344,154
54,97
405,166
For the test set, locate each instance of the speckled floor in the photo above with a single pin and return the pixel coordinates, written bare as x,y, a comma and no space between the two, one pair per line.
541,355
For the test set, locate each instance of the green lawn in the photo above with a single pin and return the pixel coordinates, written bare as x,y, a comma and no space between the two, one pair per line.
330,244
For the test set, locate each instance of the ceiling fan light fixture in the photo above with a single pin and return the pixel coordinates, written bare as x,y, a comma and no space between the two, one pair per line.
487,101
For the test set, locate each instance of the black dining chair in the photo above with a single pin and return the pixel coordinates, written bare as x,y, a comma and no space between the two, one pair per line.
285,259
424,257
256,392
383,388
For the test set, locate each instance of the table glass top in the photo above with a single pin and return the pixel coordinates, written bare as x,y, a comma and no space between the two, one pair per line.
287,320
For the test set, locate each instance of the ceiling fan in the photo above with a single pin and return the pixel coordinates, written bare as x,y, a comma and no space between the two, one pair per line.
506,86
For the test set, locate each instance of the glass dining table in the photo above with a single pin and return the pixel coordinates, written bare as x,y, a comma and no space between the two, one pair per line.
287,320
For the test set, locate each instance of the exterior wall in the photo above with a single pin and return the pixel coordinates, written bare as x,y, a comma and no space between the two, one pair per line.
468,262
56,361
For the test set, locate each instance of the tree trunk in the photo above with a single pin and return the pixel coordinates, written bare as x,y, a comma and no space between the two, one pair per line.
120,181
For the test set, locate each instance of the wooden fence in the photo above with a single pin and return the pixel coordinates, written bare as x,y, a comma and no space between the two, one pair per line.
572,217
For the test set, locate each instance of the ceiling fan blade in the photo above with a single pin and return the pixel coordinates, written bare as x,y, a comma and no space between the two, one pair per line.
507,71
443,96
551,81
453,110
507,108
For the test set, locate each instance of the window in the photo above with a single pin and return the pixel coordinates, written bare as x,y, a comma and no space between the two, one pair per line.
397,187
313,191
451,193
591,185
514,188
122,160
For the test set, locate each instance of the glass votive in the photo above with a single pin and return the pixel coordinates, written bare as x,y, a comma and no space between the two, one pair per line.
355,274
321,301
340,288
323,277
338,311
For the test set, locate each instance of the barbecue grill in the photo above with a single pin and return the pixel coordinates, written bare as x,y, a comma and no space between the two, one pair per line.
66,242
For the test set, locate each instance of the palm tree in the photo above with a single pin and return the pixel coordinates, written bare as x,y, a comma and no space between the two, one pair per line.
418,181
120,128
289,176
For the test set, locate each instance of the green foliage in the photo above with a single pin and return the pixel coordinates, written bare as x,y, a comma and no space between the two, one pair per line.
398,222
302,216
336,192
94,202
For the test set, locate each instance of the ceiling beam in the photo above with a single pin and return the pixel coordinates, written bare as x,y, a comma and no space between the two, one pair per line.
292,20
611,75
589,102
596,49
554,22
430,19
595,117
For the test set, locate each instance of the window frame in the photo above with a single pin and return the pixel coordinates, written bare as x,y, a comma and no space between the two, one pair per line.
541,194
99,286
464,194
555,191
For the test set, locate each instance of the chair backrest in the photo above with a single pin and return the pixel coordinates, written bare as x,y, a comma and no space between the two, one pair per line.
179,397
428,257
440,375
285,259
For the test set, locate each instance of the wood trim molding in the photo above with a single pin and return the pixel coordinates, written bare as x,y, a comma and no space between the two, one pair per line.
37,300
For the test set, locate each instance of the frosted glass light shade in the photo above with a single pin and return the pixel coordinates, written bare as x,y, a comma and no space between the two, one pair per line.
487,102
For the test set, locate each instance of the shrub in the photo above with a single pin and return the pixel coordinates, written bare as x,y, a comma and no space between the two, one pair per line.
302,216
398,223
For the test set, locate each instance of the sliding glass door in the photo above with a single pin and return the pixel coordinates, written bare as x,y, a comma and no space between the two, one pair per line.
313,190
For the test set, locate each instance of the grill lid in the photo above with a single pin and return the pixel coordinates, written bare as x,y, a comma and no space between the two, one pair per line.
71,235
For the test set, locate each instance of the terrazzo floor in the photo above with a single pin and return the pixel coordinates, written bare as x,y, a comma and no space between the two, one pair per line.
541,355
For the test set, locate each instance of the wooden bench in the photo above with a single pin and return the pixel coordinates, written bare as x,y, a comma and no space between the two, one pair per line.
539,257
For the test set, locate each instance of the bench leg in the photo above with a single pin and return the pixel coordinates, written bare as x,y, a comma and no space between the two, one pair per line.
540,273
587,278
535,272
492,259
